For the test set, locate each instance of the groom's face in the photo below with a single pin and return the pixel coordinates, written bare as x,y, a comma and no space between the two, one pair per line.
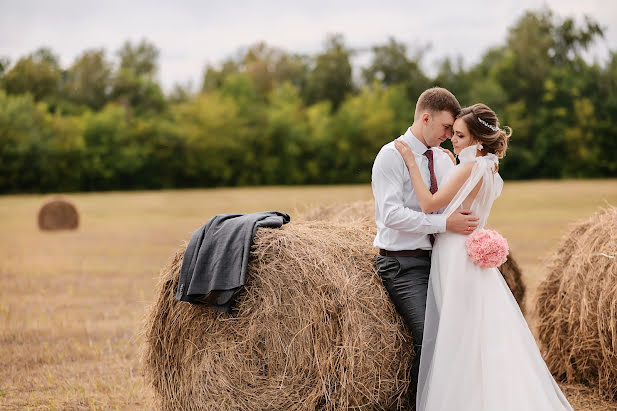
438,128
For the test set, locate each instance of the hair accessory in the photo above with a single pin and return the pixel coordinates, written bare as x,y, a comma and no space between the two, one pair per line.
494,128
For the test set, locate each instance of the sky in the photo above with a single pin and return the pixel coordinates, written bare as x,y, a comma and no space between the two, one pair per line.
191,34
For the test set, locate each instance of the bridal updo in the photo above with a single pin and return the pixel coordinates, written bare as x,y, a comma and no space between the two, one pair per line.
483,125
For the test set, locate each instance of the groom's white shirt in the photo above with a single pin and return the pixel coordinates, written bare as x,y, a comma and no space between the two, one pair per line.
401,224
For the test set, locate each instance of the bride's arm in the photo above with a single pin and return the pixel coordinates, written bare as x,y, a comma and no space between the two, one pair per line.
432,202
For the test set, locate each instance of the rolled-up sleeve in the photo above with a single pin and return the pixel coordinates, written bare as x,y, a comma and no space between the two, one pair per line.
388,180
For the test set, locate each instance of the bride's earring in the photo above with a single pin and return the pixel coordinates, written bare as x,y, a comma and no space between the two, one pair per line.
479,146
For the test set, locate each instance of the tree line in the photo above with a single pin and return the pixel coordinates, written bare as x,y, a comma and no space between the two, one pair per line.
268,116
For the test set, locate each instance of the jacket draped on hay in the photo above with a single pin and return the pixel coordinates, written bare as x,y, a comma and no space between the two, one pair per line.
216,258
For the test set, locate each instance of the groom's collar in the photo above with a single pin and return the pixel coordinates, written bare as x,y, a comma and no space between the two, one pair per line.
413,142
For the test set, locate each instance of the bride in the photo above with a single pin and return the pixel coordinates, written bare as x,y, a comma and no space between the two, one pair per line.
477,351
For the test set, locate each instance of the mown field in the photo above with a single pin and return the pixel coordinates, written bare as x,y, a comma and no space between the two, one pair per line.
71,303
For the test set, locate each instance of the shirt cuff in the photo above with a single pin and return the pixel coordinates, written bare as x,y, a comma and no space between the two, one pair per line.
438,222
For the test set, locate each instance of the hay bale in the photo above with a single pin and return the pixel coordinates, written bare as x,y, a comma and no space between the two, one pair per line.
577,306
58,214
359,211
313,329
514,278
364,212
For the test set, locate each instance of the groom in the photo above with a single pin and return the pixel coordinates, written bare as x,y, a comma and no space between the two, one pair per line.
404,233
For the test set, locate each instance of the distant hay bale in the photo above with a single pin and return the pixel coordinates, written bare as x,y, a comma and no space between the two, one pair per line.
58,214
314,329
514,278
364,212
577,306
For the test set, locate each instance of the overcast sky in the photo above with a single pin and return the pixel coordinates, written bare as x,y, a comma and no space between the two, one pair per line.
191,34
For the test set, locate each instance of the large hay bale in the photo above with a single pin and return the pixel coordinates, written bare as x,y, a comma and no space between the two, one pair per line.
364,212
58,214
359,211
577,305
313,329
514,278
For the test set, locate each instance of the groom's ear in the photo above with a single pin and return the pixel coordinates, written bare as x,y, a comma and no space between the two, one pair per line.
425,118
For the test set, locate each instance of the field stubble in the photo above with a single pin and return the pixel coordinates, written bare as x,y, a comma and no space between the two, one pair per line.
71,302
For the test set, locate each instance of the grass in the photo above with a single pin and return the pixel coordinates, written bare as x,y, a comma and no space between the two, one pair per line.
71,302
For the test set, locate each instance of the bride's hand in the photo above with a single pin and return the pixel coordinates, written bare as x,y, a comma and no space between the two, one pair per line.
405,151
448,152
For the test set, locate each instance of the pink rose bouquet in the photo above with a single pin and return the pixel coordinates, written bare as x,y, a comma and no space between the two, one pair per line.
487,248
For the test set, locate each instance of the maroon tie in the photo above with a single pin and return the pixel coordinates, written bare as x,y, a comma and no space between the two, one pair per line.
429,154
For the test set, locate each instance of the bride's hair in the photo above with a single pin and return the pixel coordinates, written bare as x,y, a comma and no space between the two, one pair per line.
483,124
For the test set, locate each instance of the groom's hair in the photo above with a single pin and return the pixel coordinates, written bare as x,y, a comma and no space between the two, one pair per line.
437,99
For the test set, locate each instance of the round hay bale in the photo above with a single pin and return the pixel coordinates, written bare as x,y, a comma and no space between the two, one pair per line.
364,212
577,306
514,278
58,214
359,211
312,329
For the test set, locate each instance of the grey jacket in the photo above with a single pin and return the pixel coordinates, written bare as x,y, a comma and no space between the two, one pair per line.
216,258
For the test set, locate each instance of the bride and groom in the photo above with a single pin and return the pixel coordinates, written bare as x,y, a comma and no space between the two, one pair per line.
474,350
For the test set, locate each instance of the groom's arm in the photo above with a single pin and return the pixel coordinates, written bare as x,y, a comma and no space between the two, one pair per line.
388,179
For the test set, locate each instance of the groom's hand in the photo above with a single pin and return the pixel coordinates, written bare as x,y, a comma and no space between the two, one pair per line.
462,222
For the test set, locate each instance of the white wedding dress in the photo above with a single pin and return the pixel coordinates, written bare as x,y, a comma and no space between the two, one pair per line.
478,352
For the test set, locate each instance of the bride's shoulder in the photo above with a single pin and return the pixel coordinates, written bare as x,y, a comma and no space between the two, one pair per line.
465,167
463,170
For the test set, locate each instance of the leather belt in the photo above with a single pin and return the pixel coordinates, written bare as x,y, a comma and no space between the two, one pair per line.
405,253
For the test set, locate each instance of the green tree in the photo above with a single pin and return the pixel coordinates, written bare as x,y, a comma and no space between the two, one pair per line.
283,144
267,67
250,105
112,157
213,132
390,65
38,74
213,79
62,160
292,68
362,125
535,45
181,93
330,78
601,85
138,94
23,125
89,79
319,155
452,76
133,84
163,150
5,62
541,72
140,58
483,83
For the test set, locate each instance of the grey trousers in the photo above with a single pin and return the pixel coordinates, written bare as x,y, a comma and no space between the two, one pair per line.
406,280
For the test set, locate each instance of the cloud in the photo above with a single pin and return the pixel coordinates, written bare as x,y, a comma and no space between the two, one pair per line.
191,34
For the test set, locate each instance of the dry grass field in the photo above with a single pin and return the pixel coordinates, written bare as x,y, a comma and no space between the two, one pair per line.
72,302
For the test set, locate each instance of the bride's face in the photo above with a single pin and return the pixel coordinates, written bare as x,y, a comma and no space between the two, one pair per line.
461,137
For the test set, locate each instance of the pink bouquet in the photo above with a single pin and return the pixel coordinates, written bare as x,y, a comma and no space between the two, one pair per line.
487,248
